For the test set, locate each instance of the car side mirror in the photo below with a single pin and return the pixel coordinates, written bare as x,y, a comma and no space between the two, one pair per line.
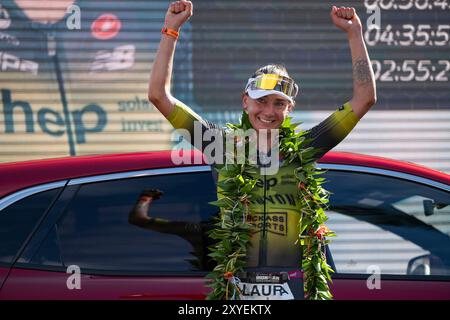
419,265
426,265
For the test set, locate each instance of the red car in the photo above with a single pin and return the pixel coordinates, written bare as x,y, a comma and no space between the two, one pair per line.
65,231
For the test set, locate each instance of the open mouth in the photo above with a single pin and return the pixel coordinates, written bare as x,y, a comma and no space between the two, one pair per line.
266,121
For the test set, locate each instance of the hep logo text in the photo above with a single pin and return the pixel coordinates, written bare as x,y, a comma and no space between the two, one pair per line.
52,122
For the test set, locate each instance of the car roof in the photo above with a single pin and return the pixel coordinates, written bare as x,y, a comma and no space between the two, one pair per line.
19,175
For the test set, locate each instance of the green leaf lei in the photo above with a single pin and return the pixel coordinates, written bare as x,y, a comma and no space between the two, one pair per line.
232,232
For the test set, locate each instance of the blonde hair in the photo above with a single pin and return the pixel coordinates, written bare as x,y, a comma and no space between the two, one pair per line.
272,69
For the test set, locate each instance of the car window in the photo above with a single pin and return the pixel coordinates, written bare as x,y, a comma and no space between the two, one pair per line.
95,232
397,226
19,219
48,253
428,210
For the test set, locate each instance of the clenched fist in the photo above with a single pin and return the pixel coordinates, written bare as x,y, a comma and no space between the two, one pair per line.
345,18
178,13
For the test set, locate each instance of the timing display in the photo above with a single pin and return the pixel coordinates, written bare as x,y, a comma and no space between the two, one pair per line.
408,42
407,4
409,35
411,70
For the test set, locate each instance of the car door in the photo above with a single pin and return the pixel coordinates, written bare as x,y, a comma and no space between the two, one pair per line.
20,214
89,248
392,234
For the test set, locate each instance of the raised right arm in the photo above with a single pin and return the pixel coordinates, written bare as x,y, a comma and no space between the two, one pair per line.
139,216
159,86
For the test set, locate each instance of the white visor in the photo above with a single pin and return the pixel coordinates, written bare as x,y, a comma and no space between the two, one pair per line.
258,93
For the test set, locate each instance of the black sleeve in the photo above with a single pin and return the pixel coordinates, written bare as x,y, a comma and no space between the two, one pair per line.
331,131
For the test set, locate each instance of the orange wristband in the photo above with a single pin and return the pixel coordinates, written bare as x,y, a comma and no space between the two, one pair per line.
170,32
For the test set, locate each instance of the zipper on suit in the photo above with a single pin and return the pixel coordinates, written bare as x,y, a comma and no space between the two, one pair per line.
263,240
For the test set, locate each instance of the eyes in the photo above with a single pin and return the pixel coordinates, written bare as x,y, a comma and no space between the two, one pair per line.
278,103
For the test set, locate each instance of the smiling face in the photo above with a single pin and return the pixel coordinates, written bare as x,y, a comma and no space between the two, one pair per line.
267,112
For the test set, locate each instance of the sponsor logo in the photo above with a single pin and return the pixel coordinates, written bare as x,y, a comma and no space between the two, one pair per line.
105,27
50,121
279,198
269,183
11,62
9,38
120,58
276,222
136,105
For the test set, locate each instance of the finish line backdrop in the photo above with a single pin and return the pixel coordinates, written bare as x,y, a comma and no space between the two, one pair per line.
76,91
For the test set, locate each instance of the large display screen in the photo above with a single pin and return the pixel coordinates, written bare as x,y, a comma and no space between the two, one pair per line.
408,42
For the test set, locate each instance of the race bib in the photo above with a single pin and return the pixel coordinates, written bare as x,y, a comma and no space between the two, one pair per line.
265,291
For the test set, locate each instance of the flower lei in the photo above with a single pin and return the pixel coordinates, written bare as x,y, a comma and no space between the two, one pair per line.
233,232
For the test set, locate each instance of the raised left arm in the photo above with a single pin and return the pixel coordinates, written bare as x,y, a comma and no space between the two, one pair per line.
364,86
